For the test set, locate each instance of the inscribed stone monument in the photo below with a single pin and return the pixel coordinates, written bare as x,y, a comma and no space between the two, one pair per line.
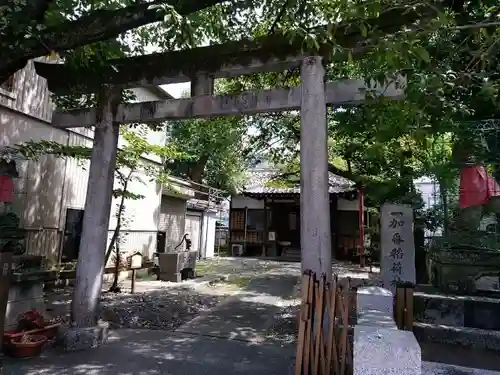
397,245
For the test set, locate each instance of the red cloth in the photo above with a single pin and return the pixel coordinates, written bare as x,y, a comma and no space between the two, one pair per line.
476,187
6,189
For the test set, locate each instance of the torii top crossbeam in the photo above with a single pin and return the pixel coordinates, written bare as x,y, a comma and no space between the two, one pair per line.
270,53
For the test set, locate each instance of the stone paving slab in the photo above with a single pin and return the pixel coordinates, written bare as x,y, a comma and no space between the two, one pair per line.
144,352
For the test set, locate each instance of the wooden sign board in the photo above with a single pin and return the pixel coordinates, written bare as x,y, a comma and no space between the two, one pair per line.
135,261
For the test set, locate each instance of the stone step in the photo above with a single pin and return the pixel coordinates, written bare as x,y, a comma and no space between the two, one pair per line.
436,368
462,336
457,311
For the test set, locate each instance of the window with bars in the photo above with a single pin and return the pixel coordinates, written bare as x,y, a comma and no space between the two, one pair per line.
8,84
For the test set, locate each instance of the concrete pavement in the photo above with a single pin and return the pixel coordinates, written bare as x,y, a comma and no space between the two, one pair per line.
144,352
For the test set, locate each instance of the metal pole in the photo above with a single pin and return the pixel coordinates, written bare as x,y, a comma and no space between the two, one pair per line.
361,201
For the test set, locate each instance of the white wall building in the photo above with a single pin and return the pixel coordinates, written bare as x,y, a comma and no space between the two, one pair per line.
50,192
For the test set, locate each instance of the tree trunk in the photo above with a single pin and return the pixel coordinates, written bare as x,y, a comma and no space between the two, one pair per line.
90,266
118,219
114,288
196,172
111,245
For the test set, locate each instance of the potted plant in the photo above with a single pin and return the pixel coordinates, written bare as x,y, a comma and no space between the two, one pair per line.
31,323
26,346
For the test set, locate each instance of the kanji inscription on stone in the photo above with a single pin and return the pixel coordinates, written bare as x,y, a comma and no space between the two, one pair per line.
397,245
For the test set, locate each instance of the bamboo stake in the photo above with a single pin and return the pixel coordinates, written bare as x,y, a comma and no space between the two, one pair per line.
302,324
320,291
400,305
331,346
409,309
323,356
347,343
343,338
307,344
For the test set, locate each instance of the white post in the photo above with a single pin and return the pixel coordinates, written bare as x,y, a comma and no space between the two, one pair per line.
315,237
90,266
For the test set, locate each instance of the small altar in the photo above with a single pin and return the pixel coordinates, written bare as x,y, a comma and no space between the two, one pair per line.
26,288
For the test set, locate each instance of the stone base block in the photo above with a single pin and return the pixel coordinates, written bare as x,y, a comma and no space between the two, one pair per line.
460,336
374,298
174,277
76,339
376,319
382,351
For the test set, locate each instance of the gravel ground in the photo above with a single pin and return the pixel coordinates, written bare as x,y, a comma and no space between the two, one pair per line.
168,305
163,310
284,329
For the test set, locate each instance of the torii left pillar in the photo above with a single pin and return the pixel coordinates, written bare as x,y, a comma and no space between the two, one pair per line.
315,236
85,331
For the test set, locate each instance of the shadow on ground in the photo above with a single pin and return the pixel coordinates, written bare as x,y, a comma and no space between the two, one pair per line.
227,339
147,352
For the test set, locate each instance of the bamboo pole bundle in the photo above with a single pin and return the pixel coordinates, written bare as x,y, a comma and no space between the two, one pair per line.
323,346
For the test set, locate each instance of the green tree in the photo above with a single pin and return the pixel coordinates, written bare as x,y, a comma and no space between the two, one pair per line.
35,28
452,79
216,149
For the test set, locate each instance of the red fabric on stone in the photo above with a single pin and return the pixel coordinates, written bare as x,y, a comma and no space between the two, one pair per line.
6,189
476,187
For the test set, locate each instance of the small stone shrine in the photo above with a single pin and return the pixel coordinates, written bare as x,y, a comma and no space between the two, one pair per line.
397,245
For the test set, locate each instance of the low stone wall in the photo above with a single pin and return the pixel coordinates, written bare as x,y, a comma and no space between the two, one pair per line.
379,348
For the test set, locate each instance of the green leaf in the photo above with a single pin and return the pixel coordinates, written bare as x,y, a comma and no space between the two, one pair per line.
422,53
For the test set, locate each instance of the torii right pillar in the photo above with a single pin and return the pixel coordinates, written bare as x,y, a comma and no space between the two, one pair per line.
315,236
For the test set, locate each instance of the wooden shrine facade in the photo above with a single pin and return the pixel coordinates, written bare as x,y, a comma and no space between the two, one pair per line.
266,222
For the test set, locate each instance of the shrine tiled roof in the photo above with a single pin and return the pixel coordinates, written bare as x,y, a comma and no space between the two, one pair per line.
258,184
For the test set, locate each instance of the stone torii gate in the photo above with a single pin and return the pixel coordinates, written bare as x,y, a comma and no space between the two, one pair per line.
311,98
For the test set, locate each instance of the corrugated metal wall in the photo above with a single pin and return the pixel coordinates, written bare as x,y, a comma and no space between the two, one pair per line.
172,220
133,241
49,186
45,242
39,190
30,94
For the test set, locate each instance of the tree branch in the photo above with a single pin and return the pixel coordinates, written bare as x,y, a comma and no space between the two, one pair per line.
279,17
240,57
97,26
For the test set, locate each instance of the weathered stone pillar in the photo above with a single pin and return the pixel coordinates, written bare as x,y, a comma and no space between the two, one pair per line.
314,198
90,266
